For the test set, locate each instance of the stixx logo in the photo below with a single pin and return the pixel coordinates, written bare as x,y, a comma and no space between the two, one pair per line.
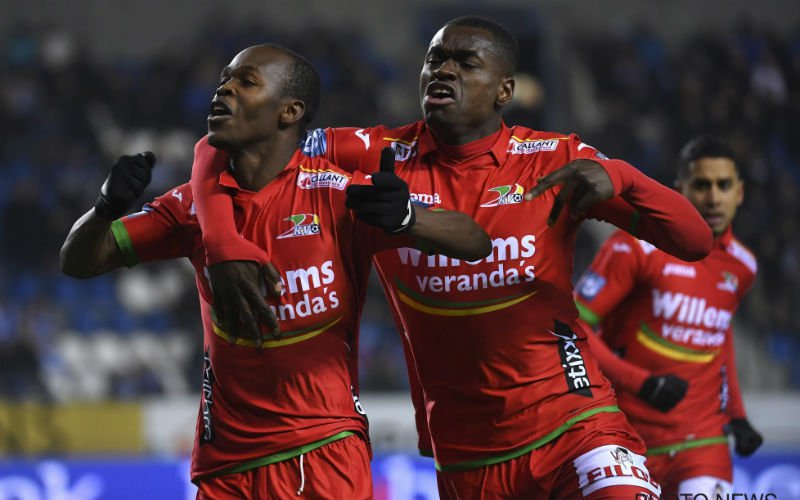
571,360
506,195
303,225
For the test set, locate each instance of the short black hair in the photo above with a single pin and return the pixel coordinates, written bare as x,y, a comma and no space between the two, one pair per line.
505,42
704,146
302,82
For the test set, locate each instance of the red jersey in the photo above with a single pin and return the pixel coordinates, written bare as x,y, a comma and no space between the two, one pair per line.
493,342
297,392
671,316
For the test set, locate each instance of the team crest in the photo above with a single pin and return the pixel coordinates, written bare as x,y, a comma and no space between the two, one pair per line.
303,225
506,195
729,283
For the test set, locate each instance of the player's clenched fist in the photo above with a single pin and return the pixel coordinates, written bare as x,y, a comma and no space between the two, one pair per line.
583,183
126,182
386,203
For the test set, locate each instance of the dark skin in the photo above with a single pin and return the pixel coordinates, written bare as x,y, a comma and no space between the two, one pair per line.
464,85
260,129
463,64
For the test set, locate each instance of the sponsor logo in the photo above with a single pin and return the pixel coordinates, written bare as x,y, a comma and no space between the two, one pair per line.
314,179
571,360
402,150
208,401
506,195
621,248
596,152
315,143
622,456
590,285
729,283
531,146
425,199
689,310
178,195
302,225
619,470
673,269
364,136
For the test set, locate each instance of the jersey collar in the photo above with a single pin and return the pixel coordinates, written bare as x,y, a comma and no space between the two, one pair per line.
226,178
497,149
724,239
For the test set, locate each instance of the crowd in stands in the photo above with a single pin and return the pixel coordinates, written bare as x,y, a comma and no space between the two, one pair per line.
66,118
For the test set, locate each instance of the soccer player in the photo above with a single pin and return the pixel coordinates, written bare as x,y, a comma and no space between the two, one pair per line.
278,418
667,319
515,405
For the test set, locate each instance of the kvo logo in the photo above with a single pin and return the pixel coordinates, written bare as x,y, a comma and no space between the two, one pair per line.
572,361
303,225
505,195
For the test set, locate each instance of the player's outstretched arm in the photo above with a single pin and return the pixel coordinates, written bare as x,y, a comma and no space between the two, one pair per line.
386,203
662,216
90,248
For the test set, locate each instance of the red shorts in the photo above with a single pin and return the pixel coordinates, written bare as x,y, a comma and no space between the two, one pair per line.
339,469
672,469
597,458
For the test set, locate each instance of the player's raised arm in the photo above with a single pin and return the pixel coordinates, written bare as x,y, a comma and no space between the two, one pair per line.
386,203
90,248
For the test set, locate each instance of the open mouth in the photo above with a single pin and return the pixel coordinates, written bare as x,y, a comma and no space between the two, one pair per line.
439,94
218,111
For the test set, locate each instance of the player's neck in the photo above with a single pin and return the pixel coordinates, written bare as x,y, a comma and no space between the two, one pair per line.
256,165
456,135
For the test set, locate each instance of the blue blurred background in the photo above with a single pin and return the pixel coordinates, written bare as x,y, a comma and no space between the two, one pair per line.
111,367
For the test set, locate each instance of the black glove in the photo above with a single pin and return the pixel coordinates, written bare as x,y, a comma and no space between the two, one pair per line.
386,203
663,391
747,439
124,185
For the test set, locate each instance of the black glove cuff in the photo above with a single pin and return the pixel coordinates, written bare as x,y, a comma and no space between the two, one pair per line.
104,210
408,221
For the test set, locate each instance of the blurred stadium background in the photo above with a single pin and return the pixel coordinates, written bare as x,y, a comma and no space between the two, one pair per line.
99,379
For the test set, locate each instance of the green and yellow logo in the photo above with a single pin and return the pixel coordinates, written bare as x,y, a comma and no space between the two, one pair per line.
302,225
506,195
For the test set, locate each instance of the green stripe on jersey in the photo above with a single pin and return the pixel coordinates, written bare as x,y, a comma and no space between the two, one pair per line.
588,315
474,464
687,445
276,457
124,243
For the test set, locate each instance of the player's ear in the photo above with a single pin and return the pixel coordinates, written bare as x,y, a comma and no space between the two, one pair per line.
292,112
505,91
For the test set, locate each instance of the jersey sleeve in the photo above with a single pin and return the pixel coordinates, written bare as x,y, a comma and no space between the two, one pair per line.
354,149
647,209
162,230
609,279
735,403
220,237
622,374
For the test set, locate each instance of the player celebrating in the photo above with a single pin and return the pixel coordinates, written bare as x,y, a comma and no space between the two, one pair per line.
278,418
665,316
515,405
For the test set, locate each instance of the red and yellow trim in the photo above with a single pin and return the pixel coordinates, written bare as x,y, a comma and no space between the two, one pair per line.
287,338
436,307
652,341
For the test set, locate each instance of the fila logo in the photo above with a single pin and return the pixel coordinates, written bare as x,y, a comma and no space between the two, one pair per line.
363,136
178,195
679,270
